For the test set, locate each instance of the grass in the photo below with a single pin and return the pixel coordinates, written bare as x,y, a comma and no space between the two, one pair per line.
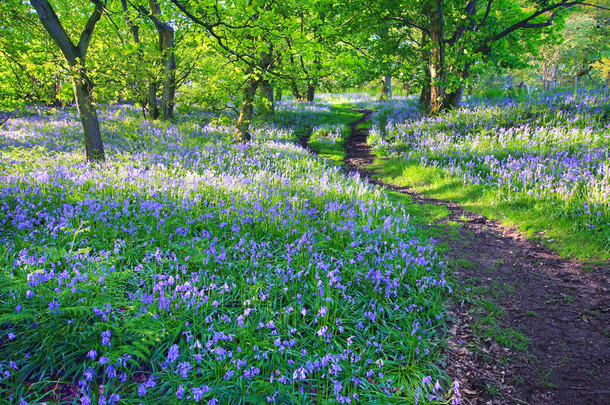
331,131
558,234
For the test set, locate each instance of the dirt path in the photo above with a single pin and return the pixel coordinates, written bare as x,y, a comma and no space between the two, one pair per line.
561,306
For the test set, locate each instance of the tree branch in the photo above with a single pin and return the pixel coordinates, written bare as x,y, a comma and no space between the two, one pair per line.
596,6
409,22
87,33
471,10
210,29
487,11
525,23
51,23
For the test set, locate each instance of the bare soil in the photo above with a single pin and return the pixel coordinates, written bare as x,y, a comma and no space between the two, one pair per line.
561,306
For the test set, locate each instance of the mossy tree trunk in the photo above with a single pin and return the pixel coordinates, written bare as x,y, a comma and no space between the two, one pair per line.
247,108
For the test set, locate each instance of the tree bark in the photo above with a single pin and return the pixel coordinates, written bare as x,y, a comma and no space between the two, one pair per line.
247,109
437,57
454,98
168,60
311,92
388,84
153,107
266,86
75,56
386,87
608,79
169,74
424,97
267,93
94,147
295,91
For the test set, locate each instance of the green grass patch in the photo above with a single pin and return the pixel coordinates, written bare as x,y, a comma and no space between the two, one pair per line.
558,233
330,132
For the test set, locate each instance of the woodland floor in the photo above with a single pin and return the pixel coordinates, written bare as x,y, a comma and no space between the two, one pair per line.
561,306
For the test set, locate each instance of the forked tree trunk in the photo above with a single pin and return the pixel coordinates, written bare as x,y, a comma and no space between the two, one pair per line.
247,109
168,61
437,57
94,147
75,56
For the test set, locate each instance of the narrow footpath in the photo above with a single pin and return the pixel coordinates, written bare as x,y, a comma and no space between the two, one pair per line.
560,306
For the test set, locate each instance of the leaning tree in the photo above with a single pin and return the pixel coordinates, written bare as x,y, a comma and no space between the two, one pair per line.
75,55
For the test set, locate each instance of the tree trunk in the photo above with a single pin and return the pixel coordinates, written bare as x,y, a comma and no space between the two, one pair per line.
424,97
278,94
311,92
169,74
94,147
386,87
437,57
153,107
295,91
75,56
454,98
168,61
267,93
247,109
145,99
608,79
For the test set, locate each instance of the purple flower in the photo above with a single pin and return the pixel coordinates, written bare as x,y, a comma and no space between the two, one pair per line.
114,398
92,354
183,369
322,312
106,338
180,391
173,354
53,305
199,392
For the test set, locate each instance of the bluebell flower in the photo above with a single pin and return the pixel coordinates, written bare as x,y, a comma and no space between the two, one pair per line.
180,391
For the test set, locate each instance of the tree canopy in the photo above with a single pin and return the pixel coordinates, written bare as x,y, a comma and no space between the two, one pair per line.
220,54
